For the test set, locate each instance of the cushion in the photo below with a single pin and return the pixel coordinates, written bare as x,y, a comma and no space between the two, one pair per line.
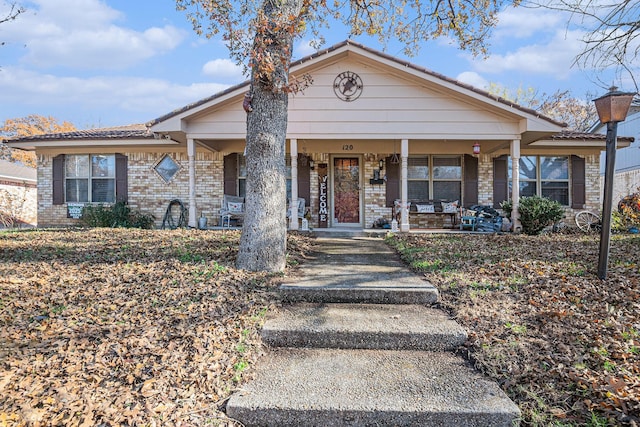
425,208
450,207
235,207
398,204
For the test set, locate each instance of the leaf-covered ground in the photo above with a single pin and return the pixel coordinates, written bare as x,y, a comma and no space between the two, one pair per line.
563,344
117,327
131,327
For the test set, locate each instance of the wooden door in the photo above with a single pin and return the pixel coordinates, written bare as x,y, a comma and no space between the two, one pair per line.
346,191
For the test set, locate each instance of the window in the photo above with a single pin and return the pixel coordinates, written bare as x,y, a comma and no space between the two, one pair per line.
440,176
545,176
90,178
242,176
167,168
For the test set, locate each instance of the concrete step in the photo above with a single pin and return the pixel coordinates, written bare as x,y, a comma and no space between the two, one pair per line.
319,387
363,326
358,271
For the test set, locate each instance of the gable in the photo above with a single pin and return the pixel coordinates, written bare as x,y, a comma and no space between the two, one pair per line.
396,102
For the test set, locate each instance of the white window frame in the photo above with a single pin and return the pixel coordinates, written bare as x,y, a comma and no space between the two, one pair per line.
539,180
90,178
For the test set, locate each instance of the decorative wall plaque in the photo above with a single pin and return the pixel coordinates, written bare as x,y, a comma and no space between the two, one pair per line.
348,86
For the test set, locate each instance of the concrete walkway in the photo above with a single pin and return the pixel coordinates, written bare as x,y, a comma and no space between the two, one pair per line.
358,345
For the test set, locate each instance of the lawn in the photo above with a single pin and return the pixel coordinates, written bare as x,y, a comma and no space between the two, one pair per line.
562,343
126,327
134,327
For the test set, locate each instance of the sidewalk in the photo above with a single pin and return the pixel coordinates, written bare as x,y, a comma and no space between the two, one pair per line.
359,345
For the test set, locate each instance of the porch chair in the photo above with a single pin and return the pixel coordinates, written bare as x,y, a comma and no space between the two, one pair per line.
301,208
232,209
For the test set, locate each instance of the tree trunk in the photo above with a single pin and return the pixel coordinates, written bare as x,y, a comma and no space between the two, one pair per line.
264,233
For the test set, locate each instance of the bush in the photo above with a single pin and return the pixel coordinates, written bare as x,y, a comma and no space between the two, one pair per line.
118,215
629,211
536,213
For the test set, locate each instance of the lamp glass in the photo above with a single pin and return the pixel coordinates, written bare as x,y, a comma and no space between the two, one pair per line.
613,106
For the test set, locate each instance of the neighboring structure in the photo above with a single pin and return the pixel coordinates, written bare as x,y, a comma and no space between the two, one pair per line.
370,130
627,177
18,195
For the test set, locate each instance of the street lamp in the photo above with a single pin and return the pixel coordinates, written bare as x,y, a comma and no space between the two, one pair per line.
612,108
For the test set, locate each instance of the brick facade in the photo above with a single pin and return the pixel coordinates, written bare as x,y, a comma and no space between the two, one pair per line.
147,191
150,194
20,201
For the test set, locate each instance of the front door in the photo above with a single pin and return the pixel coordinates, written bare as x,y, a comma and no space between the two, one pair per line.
346,191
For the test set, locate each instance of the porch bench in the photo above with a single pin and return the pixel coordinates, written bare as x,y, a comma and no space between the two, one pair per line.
430,207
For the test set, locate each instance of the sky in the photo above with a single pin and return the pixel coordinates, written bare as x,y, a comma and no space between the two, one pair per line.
102,63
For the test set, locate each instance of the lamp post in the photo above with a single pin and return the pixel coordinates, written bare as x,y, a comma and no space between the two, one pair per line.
612,108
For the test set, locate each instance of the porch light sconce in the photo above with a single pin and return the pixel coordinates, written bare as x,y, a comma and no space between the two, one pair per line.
381,164
312,164
612,108
476,148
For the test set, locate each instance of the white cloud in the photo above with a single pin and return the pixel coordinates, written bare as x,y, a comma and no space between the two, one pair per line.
474,79
523,22
554,58
304,48
223,69
82,34
101,94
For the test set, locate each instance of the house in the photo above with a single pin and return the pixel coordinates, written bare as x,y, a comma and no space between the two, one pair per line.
371,130
627,171
18,201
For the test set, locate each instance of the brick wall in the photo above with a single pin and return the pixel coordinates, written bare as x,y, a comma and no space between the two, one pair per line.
19,201
375,195
147,191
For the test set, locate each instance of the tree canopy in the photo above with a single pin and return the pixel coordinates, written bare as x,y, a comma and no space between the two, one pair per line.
28,126
579,114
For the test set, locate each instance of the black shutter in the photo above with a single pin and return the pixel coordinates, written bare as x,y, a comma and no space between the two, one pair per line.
470,193
231,174
58,180
304,180
578,183
500,180
122,179
393,181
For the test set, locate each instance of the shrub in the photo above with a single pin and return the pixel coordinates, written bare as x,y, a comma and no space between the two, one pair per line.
536,213
629,211
114,216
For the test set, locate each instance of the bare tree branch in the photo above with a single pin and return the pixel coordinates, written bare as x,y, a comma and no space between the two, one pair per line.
612,27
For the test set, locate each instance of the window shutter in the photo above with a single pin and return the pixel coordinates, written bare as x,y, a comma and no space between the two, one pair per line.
500,180
304,180
58,180
231,174
578,183
470,193
122,178
393,181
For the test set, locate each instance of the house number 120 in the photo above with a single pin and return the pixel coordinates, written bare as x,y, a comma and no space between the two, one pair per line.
347,147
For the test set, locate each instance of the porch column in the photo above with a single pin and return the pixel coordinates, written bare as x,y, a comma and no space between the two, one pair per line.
515,185
404,154
293,220
191,153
